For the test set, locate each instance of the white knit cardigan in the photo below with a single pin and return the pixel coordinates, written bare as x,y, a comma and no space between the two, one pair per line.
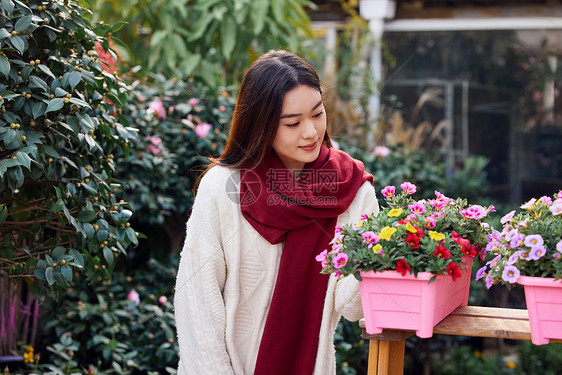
226,279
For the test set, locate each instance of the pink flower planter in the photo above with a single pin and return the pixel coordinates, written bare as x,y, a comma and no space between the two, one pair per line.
393,301
544,303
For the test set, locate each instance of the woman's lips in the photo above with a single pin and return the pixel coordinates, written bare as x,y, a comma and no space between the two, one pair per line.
309,147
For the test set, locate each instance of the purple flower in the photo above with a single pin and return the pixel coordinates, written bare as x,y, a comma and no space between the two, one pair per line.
370,238
337,229
556,256
489,281
408,187
511,234
559,246
514,257
133,296
493,245
480,273
517,240
507,217
494,236
364,216
528,205
556,209
533,240
203,129
536,252
510,274
546,200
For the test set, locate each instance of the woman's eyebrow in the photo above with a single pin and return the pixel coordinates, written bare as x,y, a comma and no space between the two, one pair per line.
300,114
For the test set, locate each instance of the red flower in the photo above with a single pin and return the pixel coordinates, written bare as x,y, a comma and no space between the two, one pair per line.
442,252
402,267
459,240
454,270
469,251
403,222
413,241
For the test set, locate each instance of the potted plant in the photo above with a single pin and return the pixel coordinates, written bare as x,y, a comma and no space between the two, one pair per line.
527,251
413,259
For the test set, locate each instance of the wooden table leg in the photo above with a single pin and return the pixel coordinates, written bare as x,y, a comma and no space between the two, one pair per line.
386,357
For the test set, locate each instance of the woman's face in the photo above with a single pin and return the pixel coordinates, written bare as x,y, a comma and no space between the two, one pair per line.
301,128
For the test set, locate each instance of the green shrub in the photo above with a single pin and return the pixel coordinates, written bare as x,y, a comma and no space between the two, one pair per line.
125,326
180,124
58,138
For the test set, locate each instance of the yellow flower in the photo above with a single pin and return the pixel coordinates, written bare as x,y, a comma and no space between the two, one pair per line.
377,248
410,228
359,224
28,357
29,348
386,233
436,236
510,364
395,212
478,354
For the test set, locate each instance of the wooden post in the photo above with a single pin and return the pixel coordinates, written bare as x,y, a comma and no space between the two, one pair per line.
386,350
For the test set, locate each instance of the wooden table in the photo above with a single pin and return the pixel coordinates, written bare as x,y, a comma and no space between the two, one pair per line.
386,350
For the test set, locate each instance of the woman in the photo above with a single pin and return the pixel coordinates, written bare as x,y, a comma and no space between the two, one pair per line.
249,296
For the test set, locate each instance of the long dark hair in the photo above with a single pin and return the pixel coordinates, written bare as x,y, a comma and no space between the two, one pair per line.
259,104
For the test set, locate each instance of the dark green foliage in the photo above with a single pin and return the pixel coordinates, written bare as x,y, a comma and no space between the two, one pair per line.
58,138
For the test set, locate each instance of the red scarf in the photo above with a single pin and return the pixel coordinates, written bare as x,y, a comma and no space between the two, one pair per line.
303,214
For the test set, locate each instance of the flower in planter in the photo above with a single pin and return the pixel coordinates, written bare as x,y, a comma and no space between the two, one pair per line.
530,243
410,236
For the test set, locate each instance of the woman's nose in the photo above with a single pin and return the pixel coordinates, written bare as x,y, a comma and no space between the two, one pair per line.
309,130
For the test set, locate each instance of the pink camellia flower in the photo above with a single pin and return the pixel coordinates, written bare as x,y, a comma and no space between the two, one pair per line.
193,102
510,274
203,129
507,217
381,151
222,108
162,299
154,146
388,191
157,107
133,296
417,208
475,212
322,256
340,260
408,187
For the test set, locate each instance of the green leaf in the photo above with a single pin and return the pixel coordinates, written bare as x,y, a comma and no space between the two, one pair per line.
18,44
24,159
228,36
86,216
23,23
26,71
66,272
79,102
4,65
77,256
37,82
130,233
39,272
46,70
259,13
201,26
74,79
8,6
50,275
108,255
9,136
58,206
3,213
54,105
58,253
38,109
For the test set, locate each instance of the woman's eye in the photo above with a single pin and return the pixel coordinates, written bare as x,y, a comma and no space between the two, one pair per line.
318,114
292,125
